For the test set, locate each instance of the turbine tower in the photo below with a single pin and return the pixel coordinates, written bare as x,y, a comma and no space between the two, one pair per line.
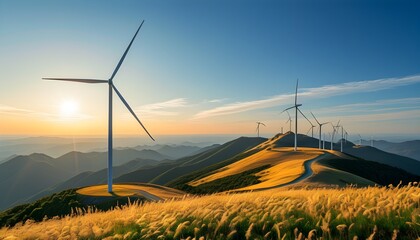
258,127
320,129
360,140
296,107
111,87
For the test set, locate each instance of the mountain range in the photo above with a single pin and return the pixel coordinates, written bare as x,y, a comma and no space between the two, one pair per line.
245,163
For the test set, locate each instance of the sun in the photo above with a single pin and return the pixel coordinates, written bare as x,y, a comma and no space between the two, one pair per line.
69,108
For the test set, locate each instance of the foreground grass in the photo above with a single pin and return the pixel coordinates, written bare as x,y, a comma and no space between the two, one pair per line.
374,212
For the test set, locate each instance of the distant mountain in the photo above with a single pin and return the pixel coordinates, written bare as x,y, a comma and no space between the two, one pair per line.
78,162
377,155
52,146
163,173
409,149
92,178
25,176
175,151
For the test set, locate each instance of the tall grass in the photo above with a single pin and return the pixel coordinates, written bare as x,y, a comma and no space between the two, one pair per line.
366,213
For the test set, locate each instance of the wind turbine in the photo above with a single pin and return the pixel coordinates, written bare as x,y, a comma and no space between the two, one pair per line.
334,130
296,107
320,128
111,87
360,140
258,127
289,120
312,126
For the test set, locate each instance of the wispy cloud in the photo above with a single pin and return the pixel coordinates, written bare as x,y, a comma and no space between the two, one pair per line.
161,108
318,92
219,100
9,110
379,105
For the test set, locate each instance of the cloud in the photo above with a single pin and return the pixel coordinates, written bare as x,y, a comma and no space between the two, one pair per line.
375,106
318,92
9,110
161,108
218,100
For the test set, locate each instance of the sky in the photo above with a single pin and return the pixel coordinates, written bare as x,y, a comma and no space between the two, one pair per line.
210,67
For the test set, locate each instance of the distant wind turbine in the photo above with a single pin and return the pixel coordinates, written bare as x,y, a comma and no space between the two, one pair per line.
334,130
296,107
312,126
360,140
111,87
320,129
258,127
289,121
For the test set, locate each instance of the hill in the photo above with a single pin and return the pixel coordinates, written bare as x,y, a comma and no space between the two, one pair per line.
273,164
24,176
345,213
166,172
409,149
86,199
377,155
91,178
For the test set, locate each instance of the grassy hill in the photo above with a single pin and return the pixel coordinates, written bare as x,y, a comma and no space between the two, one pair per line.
166,172
274,164
345,213
85,200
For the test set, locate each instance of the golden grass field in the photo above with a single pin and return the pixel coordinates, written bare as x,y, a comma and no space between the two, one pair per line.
372,212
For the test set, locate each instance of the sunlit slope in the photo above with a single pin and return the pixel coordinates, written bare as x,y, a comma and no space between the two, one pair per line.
274,164
285,166
148,191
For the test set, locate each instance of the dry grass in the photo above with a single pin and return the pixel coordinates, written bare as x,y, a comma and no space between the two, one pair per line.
286,166
272,214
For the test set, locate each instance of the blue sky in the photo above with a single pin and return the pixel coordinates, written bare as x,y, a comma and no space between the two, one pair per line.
212,67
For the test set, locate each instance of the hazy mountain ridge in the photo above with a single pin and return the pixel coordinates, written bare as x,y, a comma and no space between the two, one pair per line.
409,149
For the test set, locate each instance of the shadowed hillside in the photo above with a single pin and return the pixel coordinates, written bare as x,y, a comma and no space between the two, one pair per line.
166,172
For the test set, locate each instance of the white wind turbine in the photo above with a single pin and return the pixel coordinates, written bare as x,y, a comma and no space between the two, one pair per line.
296,107
258,128
111,87
312,126
360,140
320,129
289,121
334,130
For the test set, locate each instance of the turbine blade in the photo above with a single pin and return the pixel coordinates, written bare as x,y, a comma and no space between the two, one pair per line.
83,80
287,114
131,110
285,110
315,118
304,116
297,82
263,124
125,53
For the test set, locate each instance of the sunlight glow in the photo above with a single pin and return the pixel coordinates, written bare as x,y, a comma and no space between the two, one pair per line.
69,108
